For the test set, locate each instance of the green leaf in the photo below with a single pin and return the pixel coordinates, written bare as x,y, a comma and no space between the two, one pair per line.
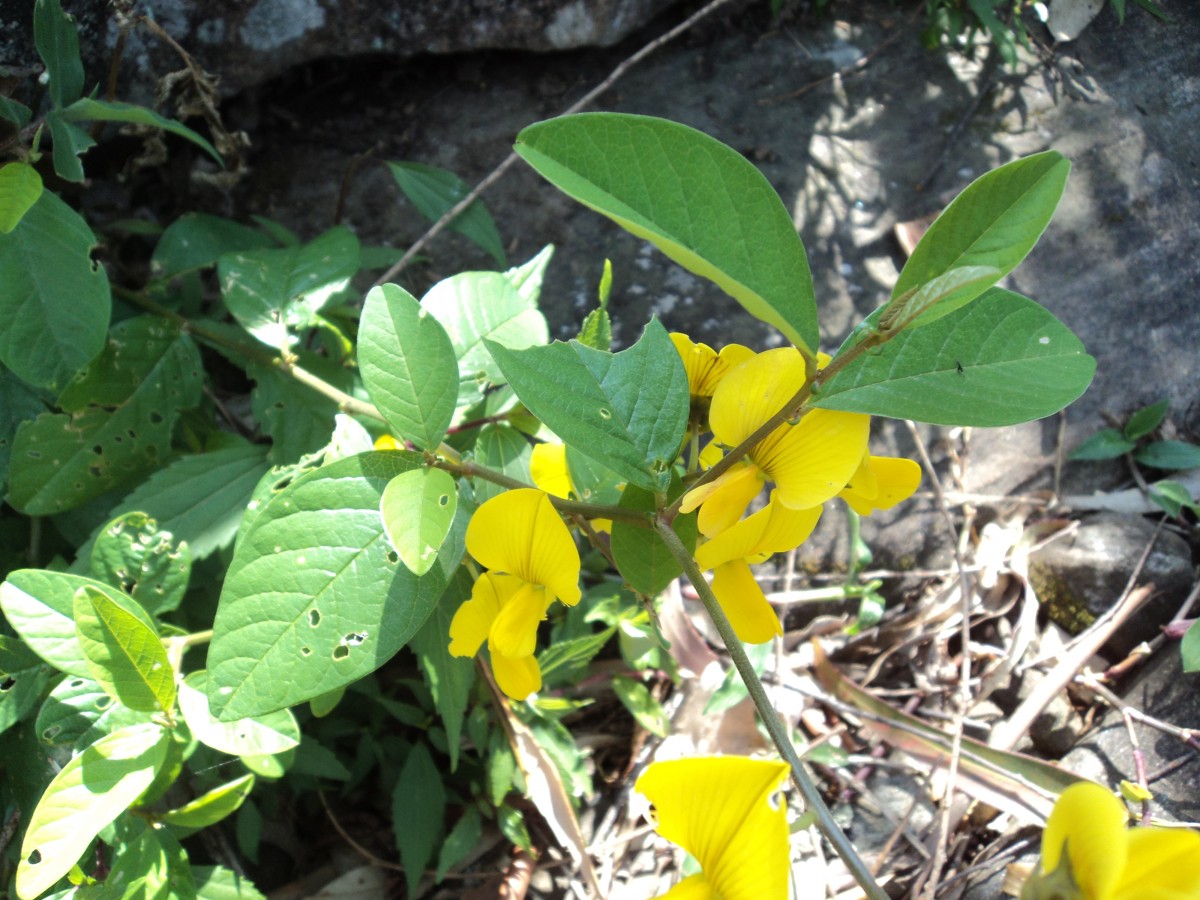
212,806
196,240
75,706
123,650
18,402
57,39
1000,361
69,143
434,192
1173,497
641,555
700,202
317,761
645,709
20,187
994,222
146,562
1169,455
1145,420
476,307
1107,443
88,109
315,590
200,499
418,814
920,306
265,735
91,790
418,508
17,113
40,606
408,365
504,449
117,421
23,677
460,841
627,410
1189,648
54,300
732,690
564,662
449,677
527,278
219,883
596,330
298,419
271,292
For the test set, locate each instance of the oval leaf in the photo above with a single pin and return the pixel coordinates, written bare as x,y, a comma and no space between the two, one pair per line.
994,222
700,202
264,735
408,365
418,508
315,590
124,651
40,605
435,192
211,807
91,790
1000,361
20,187
152,567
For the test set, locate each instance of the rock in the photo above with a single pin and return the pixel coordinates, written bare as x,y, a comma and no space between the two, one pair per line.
1056,729
1082,575
1163,691
246,43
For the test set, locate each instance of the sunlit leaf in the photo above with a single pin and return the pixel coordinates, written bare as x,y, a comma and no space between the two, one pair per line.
123,650
263,735
20,187
417,508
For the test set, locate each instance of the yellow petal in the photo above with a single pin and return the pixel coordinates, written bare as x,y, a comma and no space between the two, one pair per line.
514,631
704,367
723,500
889,481
752,618
719,809
471,623
387,442
519,532
812,461
548,469
753,392
1089,822
517,676
1161,860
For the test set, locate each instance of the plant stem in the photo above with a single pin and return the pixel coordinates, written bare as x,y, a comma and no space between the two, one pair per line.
772,722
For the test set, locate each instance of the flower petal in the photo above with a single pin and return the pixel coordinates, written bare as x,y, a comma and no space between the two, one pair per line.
719,810
517,676
1089,822
514,632
752,618
1161,859
519,532
753,392
471,623
812,461
886,482
723,500
704,367
548,469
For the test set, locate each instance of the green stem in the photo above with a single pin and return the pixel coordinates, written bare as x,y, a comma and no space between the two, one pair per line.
774,725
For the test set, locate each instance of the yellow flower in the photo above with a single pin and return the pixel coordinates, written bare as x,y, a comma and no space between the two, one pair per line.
773,529
1088,853
809,462
519,536
720,810
880,482
549,470
704,366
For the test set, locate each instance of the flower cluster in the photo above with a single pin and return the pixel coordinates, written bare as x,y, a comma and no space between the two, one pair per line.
1089,853
821,456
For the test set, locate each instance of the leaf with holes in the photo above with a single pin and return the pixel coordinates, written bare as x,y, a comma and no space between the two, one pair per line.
123,650
40,606
316,591
435,192
75,706
266,735
23,677
146,562
91,790
994,223
627,410
298,419
20,187
271,292
476,307
418,813
449,677
408,365
54,300
417,508
117,421
18,402
697,200
1001,360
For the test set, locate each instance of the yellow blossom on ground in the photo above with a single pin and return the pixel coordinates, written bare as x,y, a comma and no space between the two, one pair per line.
1089,853
532,562
721,810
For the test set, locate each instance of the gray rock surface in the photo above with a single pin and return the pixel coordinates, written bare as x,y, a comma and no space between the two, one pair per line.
249,41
